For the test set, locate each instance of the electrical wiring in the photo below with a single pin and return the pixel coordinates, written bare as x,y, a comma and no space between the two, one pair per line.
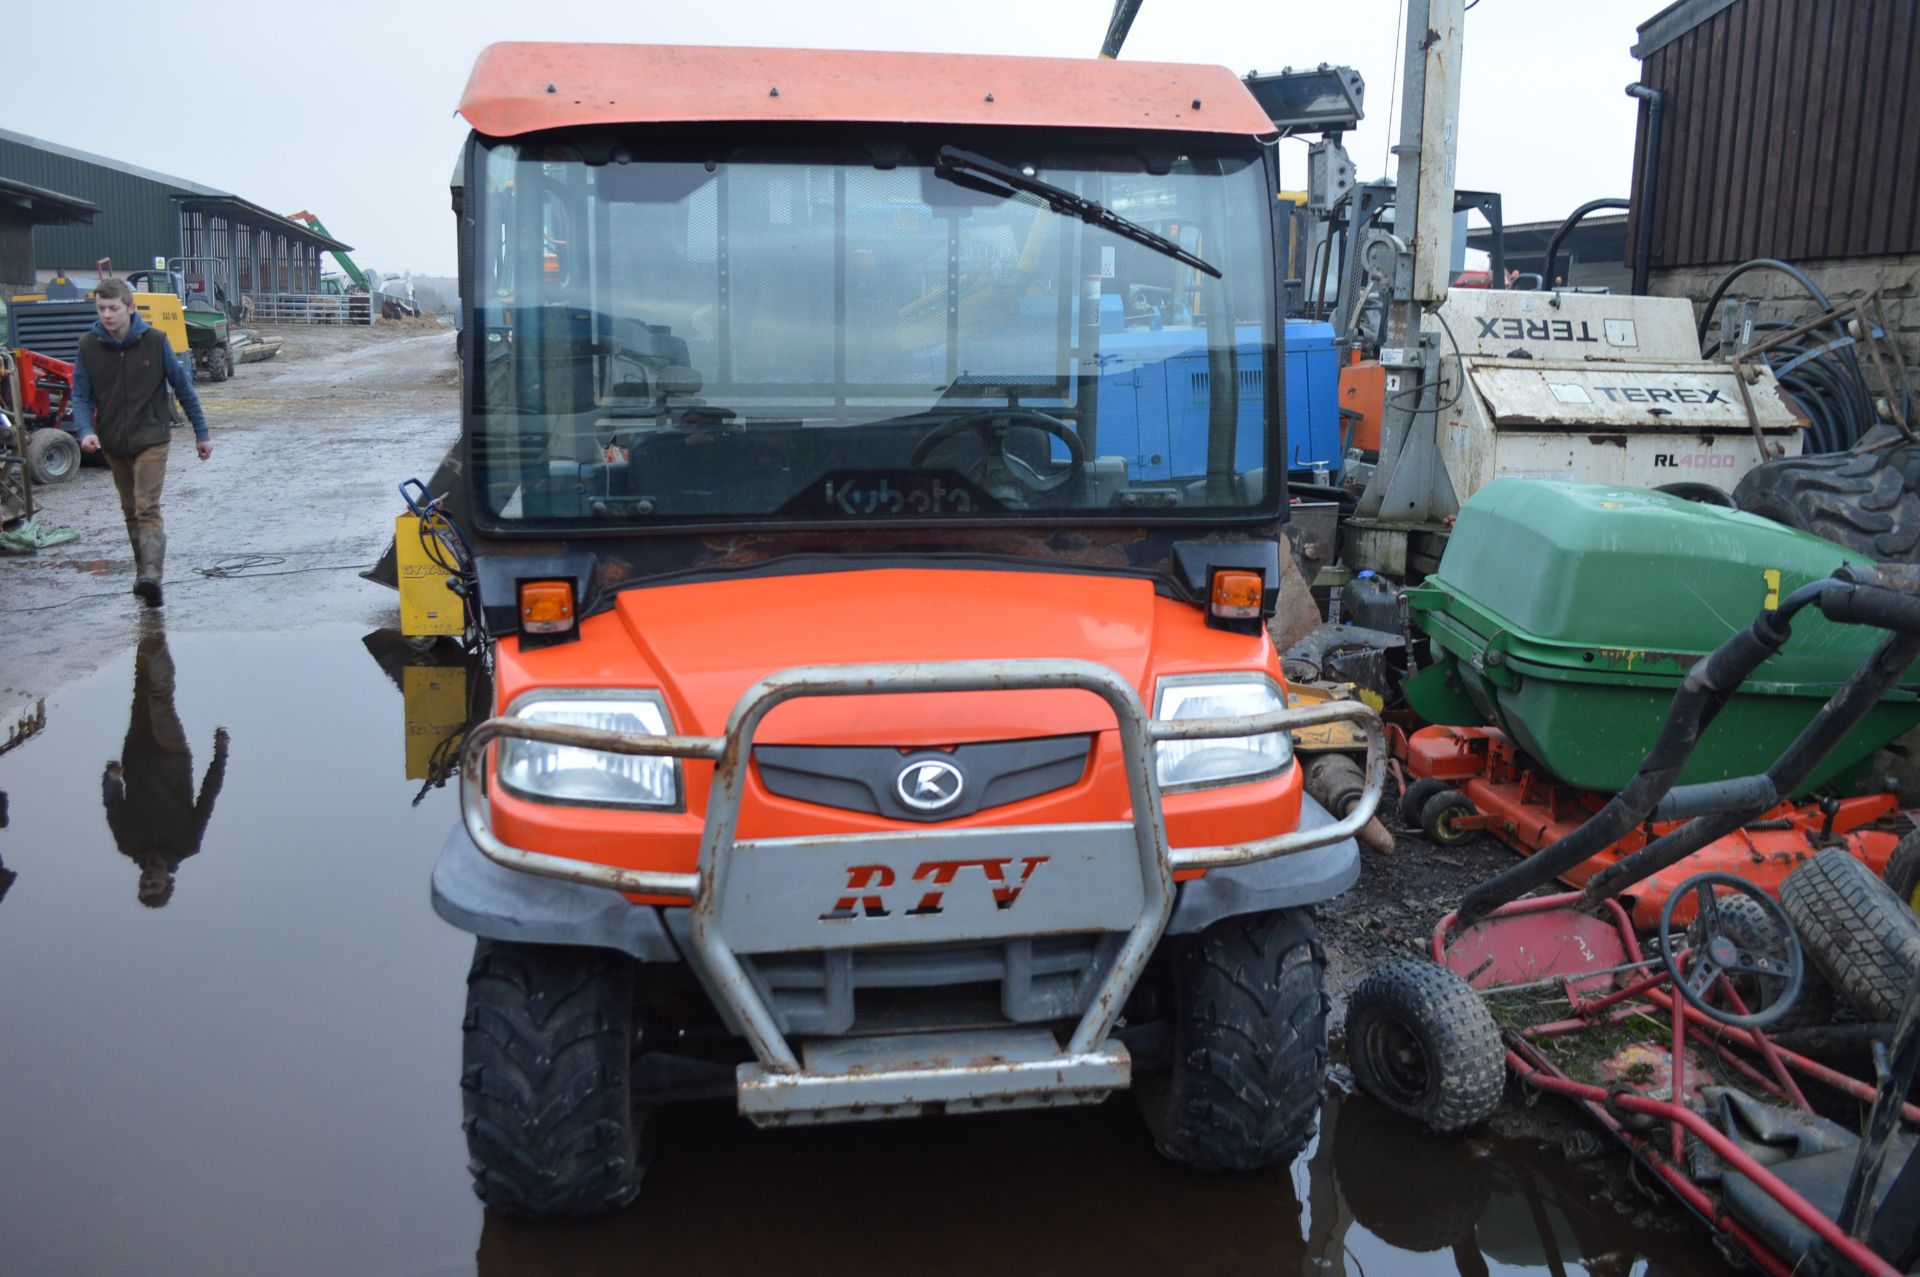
1460,382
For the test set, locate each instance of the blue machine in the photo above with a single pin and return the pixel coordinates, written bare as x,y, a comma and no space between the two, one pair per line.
1155,386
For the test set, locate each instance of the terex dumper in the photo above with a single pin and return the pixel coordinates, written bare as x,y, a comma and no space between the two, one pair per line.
885,718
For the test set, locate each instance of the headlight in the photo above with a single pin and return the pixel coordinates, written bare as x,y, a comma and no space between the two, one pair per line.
1198,764
591,777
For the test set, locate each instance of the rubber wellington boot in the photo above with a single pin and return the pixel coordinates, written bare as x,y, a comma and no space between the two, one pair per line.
149,554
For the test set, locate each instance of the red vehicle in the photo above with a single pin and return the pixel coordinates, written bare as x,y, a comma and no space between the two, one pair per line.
885,718
1678,1047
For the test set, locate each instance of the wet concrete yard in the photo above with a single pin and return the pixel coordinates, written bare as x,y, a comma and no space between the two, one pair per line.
256,1070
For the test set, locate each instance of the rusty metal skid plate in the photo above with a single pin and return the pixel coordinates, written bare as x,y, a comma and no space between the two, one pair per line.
787,894
1520,948
905,1075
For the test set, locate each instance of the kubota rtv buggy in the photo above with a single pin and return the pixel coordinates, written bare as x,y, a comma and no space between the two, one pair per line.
870,489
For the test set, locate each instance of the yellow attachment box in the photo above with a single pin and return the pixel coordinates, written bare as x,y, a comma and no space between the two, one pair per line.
427,606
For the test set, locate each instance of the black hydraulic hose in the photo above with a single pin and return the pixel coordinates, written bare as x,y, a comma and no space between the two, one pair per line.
1649,186
1566,229
1793,272
1703,692
1836,719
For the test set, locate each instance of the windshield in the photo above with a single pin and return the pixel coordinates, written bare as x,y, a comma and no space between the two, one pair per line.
790,332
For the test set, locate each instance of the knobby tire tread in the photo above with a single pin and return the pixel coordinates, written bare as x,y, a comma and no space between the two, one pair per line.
547,1105
1862,936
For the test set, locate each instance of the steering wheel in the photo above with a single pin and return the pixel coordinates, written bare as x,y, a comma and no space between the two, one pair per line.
992,425
1775,960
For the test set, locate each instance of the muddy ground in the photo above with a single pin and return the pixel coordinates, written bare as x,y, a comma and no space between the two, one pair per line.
258,1072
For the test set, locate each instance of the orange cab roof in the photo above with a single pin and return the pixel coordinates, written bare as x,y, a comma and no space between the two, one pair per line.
520,88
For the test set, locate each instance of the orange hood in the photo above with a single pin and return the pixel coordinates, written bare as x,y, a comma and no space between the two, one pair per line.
704,644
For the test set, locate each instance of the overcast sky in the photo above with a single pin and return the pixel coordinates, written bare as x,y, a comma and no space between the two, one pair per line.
347,107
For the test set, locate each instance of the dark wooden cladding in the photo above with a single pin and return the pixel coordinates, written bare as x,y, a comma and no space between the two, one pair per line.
1791,129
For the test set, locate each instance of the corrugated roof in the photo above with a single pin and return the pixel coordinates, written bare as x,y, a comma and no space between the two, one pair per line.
47,207
521,88
133,170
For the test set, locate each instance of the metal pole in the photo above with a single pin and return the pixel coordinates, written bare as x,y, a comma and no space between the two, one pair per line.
1411,485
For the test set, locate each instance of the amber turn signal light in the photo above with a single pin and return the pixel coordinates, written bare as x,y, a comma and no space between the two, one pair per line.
1236,595
546,607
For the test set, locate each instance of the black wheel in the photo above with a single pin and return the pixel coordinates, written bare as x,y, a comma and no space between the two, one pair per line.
53,455
1756,929
1866,501
1422,1043
1858,932
220,362
548,1044
1440,818
1903,870
1416,796
1249,1063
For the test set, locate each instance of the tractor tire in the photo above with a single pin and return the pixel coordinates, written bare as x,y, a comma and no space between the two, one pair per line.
1422,1043
1249,1066
1752,927
549,1036
1862,937
1868,502
1903,870
53,455
1416,796
1439,818
220,362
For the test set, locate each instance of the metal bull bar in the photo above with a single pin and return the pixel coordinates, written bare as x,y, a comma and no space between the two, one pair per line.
1094,891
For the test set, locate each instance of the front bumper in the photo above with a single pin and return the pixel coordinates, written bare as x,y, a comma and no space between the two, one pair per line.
819,902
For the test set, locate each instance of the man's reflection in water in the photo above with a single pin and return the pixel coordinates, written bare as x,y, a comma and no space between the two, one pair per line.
6,875
148,792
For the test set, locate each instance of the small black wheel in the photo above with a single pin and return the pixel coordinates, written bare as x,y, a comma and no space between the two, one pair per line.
1862,935
1768,959
1416,796
220,362
53,455
1422,1043
552,1129
1440,818
1249,1061
1903,870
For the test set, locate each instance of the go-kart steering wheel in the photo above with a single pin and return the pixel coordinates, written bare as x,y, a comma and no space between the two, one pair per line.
1776,961
992,425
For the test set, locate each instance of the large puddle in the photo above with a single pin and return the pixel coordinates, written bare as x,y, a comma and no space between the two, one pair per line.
229,1043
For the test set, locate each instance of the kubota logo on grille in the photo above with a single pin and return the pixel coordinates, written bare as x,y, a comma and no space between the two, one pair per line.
865,883
931,784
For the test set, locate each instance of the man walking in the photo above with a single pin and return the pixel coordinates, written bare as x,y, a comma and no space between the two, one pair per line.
120,382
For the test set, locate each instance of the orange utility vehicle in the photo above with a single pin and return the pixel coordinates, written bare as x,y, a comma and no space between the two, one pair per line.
872,737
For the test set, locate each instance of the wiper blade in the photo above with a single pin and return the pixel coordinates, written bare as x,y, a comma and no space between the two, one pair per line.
983,174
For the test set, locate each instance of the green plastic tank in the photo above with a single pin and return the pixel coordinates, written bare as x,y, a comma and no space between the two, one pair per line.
1566,614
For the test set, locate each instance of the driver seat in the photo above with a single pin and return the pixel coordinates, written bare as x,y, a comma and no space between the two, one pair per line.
1814,1157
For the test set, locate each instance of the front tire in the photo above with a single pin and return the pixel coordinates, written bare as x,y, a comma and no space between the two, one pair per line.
1249,1062
1422,1043
552,1130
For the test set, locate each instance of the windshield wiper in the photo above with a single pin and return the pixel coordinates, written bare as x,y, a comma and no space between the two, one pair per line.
982,174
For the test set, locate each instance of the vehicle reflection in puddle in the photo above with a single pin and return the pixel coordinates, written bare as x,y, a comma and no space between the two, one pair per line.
263,1076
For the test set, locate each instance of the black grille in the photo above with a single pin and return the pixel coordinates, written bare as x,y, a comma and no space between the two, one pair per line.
865,778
